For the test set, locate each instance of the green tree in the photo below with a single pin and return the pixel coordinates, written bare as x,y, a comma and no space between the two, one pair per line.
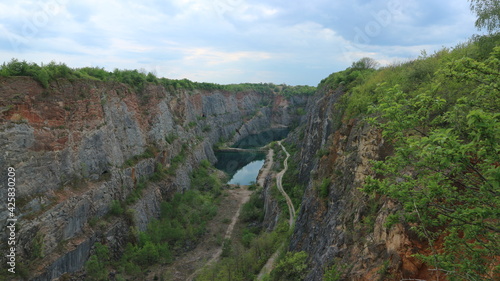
96,265
445,170
292,267
488,14
365,63
148,254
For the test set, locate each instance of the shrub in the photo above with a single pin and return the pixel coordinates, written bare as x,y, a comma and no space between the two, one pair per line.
116,208
253,210
171,137
292,267
95,269
247,238
96,264
324,188
332,274
227,247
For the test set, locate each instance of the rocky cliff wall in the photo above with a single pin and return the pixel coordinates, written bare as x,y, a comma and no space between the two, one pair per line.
343,228
81,145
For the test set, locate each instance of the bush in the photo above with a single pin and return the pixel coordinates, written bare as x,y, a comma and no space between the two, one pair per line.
253,210
324,188
332,274
292,267
227,247
95,269
171,137
247,238
96,264
116,208
322,152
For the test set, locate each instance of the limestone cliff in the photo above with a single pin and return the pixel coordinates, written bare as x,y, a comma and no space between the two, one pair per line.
343,228
81,145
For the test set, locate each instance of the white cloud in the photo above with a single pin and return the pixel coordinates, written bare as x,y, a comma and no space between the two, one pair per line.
229,41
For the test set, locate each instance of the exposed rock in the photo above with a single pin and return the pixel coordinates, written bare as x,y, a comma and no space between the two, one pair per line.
346,229
80,145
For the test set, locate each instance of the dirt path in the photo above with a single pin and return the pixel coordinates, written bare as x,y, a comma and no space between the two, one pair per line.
189,264
279,181
266,269
244,196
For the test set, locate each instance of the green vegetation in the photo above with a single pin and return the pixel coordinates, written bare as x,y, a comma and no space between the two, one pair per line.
253,210
324,188
138,80
362,85
332,274
322,152
488,14
149,152
227,248
171,137
177,160
38,245
202,179
97,263
292,267
116,208
441,113
253,247
244,256
301,111
182,222
43,74
290,91
191,124
183,219
354,75
244,263
291,181
136,193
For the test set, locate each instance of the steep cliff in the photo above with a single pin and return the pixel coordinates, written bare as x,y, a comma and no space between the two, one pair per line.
340,227
81,145
423,133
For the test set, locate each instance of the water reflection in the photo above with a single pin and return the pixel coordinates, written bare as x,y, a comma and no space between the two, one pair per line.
243,167
231,162
247,174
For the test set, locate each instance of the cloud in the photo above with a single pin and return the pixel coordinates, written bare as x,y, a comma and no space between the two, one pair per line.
229,41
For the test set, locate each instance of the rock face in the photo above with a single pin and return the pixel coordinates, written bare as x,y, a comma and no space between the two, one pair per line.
81,145
344,230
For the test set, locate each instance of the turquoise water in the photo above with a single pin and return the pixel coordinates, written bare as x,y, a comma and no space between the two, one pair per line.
247,174
234,162
243,167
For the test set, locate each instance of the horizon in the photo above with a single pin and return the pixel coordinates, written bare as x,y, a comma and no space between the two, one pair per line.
230,41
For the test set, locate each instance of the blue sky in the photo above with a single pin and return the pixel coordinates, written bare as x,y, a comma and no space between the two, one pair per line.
230,41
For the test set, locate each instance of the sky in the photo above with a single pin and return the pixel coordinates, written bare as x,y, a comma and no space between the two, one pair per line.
230,41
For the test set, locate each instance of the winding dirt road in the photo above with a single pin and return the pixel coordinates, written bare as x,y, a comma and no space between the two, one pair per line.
241,196
190,264
266,269
279,182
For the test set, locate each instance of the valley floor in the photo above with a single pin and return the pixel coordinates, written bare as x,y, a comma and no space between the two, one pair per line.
208,250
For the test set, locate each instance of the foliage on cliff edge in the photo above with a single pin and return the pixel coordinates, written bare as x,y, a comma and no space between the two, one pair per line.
445,172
